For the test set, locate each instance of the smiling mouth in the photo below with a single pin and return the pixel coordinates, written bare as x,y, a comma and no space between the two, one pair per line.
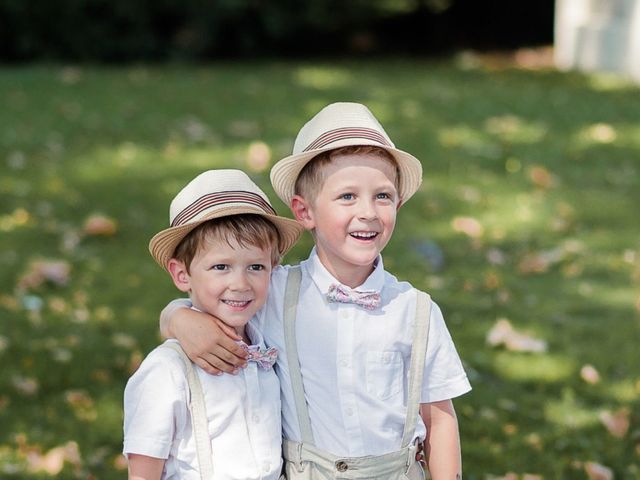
237,303
364,235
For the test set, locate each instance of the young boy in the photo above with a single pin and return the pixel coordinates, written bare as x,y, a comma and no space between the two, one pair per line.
353,368
181,423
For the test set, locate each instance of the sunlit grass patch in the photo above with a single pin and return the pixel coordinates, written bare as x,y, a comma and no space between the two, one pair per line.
544,368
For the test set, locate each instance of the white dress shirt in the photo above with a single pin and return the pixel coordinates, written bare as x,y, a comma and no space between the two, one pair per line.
355,362
243,413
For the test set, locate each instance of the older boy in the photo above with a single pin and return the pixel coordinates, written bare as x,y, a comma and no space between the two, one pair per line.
355,369
181,423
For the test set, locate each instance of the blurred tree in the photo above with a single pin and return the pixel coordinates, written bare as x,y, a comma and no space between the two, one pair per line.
123,30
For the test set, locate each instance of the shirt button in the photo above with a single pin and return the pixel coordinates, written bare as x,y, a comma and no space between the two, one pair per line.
349,411
256,419
387,358
342,466
344,363
266,466
345,314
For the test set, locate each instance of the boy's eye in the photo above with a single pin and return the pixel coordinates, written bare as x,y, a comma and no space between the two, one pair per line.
383,196
256,267
346,196
219,266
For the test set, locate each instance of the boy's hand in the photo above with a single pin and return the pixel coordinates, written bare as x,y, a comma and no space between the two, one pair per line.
207,341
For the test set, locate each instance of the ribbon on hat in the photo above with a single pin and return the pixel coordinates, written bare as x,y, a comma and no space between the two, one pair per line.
367,299
265,358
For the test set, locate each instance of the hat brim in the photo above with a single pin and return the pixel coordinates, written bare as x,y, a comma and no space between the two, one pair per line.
163,244
285,172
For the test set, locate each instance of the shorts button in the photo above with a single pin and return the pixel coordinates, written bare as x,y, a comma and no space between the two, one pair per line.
342,466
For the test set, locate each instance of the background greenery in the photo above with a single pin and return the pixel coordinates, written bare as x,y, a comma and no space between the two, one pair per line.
125,30
528,212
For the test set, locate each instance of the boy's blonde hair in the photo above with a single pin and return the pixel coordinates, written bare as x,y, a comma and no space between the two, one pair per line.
245,229
311,177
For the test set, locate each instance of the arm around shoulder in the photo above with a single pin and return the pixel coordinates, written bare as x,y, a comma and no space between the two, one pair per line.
207,341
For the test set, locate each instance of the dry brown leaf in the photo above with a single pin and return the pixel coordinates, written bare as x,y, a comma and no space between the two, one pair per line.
40,271
541,177
468,225
25,385
52,462
100,225
595,471
258,156
503,333
617,423
589,374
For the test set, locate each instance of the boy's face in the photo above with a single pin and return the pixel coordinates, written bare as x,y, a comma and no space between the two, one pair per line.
227,280
353,215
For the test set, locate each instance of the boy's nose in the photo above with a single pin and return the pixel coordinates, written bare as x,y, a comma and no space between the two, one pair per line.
367,211
239,282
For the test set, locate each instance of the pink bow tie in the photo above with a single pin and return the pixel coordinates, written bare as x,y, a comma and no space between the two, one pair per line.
264,358
367,299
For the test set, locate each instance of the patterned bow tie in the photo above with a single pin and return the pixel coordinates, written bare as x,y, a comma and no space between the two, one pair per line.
264,358
367,299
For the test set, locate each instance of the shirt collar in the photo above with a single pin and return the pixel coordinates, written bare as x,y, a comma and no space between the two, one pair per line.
323,279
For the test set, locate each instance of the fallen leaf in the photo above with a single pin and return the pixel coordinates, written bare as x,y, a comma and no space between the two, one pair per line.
595,471
40,271
258,156
468,225
26,385
100,225
81,404
123,340
541,177
52,462
540,262
589,374
503,333
617,423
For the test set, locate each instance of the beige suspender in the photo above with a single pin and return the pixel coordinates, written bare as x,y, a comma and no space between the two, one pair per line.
198,411
418,352
291,292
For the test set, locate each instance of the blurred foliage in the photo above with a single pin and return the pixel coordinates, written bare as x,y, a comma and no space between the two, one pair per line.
125,30
525,231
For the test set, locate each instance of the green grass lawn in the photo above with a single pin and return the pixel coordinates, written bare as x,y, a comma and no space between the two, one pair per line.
528,212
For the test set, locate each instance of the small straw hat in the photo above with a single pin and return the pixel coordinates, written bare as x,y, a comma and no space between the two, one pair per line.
341,125
215,194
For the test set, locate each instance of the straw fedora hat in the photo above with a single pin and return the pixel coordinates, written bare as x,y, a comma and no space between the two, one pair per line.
215,194
341,125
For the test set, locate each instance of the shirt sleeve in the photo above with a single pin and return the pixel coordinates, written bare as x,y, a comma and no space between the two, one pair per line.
155,405
444,376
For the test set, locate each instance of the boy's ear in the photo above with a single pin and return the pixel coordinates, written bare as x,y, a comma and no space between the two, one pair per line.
179,275
302,211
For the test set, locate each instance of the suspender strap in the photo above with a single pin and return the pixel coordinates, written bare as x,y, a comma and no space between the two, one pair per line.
291,293
198,415
418,352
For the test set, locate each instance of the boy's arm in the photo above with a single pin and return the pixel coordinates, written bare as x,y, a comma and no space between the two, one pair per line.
442,445
207,341
142,467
